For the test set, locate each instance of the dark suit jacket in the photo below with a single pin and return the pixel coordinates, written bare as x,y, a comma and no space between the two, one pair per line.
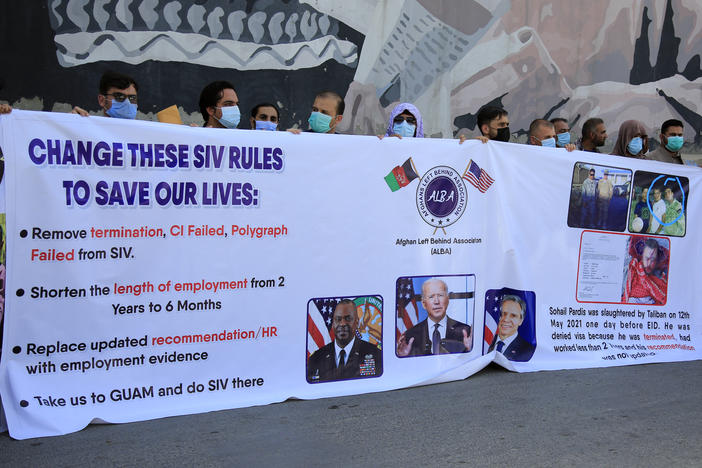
519,350
453,343
363,360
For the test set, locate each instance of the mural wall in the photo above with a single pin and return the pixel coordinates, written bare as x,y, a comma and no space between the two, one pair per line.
538,58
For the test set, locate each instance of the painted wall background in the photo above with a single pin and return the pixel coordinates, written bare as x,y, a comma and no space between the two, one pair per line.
617,60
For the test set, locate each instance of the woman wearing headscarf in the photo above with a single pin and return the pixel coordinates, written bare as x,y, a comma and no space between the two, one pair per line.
405,121
632,141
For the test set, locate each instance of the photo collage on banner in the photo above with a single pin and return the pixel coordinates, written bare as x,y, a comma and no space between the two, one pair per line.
344,338
434,315
619,268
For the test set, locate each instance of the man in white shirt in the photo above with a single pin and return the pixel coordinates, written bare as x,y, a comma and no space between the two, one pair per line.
658,209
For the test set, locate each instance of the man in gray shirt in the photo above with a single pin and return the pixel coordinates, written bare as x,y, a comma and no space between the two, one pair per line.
671,142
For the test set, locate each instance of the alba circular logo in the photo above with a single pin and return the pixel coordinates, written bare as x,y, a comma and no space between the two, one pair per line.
441,196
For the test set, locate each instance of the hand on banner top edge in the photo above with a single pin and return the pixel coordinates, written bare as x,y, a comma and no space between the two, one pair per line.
380,137
295,131
5,108
483,139
570,147
79,111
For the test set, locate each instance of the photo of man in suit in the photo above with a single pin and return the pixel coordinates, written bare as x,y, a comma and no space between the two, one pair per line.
347,356
438,333
507,340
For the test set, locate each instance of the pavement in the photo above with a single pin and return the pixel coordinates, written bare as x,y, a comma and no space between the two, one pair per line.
644,415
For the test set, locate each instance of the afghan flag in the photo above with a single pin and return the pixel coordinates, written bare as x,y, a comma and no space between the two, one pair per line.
401,176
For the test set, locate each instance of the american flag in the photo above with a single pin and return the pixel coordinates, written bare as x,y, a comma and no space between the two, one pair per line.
320,313
492,316
477,177
407,312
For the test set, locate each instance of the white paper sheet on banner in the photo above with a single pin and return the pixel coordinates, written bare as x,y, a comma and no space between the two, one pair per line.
107,254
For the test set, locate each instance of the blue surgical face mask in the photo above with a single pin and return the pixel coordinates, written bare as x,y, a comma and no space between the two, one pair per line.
122,110
319,122
404,129
635,146
549,142
563,138
674,143
266,125
230,116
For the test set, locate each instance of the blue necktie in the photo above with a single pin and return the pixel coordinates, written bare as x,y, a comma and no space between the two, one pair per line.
500,345
435,340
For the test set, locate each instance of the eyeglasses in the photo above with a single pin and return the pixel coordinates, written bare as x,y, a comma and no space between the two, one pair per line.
120,97
405,118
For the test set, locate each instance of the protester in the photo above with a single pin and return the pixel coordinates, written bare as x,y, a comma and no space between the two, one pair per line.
594,135
265,116
632,141
672,141
405,121
543,133
117,98
562,131
493,123
219,105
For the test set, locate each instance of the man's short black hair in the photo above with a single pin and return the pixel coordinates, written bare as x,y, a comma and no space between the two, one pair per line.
254,110
590,125
210,95
670,123
558,119
344,301
111,79
340,105
487,114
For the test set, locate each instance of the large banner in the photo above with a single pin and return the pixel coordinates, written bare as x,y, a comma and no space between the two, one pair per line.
157,270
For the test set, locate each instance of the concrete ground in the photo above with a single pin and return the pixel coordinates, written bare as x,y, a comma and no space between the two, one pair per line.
646,415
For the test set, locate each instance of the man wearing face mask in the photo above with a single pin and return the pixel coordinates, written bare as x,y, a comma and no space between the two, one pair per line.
327,112
219,105
671,143
543,133
562,131
265,116
493,123
117,98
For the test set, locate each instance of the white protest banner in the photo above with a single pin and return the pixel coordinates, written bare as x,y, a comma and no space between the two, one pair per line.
157,270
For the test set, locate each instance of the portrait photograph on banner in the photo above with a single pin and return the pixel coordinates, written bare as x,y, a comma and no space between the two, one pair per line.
510,323
434,315
344,338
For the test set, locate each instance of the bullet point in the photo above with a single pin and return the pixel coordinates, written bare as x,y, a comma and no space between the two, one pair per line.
24,403
23,233
17,349
20,292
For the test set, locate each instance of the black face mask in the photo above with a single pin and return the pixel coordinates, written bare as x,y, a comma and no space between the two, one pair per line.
502,134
